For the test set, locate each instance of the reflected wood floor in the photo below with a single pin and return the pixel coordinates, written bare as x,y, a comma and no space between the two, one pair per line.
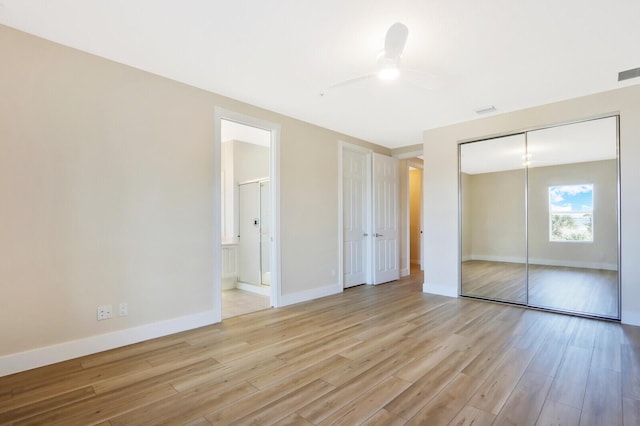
237,302
580,290
388,355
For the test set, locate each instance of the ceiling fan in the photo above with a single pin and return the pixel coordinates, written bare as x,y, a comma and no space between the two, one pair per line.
388,61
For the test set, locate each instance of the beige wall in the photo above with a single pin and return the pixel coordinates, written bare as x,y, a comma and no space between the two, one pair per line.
441,183
497,215
106,182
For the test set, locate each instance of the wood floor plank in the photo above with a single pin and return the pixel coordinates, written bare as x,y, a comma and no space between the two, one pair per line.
185,406
56,401
286,405
471,416
322,407
603,400
387,354
367,403
630,365
571,379
556,413
416,396
294,419
449,402
496,389
383,418
198,422
263,398
525,402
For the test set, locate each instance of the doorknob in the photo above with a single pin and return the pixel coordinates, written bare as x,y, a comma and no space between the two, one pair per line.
379,235
365,235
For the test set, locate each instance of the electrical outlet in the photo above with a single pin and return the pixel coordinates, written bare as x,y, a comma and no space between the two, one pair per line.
104,312
123,309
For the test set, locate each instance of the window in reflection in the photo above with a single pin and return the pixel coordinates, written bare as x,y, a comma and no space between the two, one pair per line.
571,213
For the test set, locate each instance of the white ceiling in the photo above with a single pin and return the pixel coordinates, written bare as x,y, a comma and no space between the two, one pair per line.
282,54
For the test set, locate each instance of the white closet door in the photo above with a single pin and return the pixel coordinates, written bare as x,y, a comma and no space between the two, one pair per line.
385,219
354,178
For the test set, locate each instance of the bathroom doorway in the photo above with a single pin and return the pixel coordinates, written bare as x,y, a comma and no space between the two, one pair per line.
248,238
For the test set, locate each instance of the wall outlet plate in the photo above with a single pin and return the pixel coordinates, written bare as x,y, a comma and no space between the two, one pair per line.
123,309
104,312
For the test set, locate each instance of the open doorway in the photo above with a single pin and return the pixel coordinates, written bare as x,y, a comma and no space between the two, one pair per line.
247,279
415,214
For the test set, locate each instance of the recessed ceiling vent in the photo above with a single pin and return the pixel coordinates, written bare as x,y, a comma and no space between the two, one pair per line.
626,75
486,109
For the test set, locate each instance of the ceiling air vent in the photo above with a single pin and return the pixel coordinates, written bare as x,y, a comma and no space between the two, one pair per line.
486,109
626,75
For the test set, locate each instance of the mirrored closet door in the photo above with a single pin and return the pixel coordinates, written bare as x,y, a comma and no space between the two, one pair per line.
539,218
493,213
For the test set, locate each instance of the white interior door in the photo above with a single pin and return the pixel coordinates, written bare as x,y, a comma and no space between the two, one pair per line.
354,178
249,231
385,219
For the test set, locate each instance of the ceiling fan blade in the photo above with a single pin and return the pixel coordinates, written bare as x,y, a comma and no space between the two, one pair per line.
395,40
351,81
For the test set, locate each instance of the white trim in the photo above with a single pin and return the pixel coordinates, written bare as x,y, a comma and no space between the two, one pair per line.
274,177
47,355
415,164
546,262
404,272
440,289
311,294
409,154
630,317
252,288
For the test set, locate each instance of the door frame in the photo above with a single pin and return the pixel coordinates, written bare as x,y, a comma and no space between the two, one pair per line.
367,253
274,175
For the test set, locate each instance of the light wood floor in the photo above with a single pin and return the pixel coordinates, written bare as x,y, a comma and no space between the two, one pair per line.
384,355
237,302
579,290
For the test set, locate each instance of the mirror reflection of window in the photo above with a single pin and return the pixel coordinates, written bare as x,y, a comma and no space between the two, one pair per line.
571,213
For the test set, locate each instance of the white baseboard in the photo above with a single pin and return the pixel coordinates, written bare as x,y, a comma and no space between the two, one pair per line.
258,289
630,317
545,262
574,264
39,357
440,289
315,293
505,259
404,272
